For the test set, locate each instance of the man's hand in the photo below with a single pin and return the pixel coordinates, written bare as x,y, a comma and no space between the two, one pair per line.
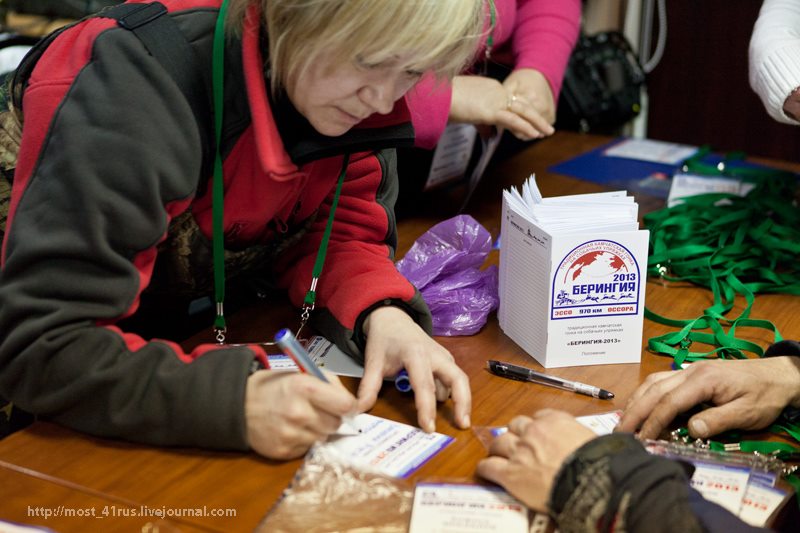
394,342
746,394
791,106
526,459
287,412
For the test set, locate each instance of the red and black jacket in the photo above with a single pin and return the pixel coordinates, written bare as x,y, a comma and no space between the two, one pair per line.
109,161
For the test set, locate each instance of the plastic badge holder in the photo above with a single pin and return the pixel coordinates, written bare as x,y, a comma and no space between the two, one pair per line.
327,495
747,484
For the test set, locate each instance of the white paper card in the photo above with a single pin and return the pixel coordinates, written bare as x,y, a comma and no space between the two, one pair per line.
488,147
759,503
325,355
684,185
602,424
281,362
452,154
721,484
328,356
386,446
652,150
453,508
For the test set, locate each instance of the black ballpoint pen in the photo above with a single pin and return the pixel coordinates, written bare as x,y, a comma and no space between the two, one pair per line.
520,373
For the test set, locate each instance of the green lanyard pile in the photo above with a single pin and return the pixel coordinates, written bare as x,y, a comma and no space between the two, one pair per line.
731,245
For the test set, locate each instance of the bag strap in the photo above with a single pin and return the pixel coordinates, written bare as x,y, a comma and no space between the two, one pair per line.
164,40
162,37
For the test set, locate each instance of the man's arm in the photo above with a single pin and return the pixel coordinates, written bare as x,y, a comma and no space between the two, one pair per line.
553,463
744,394
775,59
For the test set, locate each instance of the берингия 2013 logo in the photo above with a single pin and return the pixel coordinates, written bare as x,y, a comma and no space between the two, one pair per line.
598,278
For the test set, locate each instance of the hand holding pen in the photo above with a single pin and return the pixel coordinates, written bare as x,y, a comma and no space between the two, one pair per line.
286,412
292,347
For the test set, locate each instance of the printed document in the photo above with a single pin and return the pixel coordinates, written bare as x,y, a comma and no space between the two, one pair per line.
325,355
652,150
386,446
572,276
455,508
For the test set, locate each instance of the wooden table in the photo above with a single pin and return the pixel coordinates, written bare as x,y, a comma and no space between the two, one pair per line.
47,465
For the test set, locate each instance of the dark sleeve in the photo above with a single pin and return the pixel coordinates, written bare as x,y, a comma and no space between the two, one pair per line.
108,157
783,348
613,483
791,348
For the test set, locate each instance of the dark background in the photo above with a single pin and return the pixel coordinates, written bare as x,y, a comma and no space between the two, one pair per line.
700,93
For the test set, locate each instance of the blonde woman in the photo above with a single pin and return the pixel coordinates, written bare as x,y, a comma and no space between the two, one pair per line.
113,217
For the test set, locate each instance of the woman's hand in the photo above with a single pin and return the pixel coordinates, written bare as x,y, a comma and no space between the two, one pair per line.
526,459
532,87
485,101
287,412
394,342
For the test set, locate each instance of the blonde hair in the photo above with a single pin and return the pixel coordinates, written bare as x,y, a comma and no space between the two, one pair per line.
438,35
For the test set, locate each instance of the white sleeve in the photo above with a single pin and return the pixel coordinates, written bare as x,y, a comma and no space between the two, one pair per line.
774,56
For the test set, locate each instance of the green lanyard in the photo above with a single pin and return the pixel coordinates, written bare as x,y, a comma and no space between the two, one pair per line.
319,263
733,246
218,191
490,38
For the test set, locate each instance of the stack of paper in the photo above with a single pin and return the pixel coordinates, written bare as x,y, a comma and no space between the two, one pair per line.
572,273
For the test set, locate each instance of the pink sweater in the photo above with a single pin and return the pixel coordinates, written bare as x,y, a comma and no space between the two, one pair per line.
540,35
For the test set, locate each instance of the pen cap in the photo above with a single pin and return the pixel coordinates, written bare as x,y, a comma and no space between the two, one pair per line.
401,382
283,335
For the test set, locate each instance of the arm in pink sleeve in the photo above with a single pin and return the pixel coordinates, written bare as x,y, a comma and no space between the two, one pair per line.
429,104
544,36
545,32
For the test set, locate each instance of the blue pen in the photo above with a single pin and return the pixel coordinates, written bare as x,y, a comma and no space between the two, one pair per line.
292,347
401,381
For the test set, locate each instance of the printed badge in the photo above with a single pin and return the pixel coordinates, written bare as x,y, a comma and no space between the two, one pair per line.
597,278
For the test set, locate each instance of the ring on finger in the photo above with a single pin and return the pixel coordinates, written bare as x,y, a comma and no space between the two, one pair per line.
510,101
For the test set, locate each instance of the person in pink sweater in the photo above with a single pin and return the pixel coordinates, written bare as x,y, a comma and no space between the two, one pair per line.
535,38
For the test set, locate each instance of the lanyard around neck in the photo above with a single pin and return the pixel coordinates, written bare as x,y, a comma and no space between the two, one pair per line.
490,38
218,192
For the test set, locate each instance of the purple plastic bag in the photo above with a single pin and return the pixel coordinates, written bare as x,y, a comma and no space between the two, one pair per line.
444,264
